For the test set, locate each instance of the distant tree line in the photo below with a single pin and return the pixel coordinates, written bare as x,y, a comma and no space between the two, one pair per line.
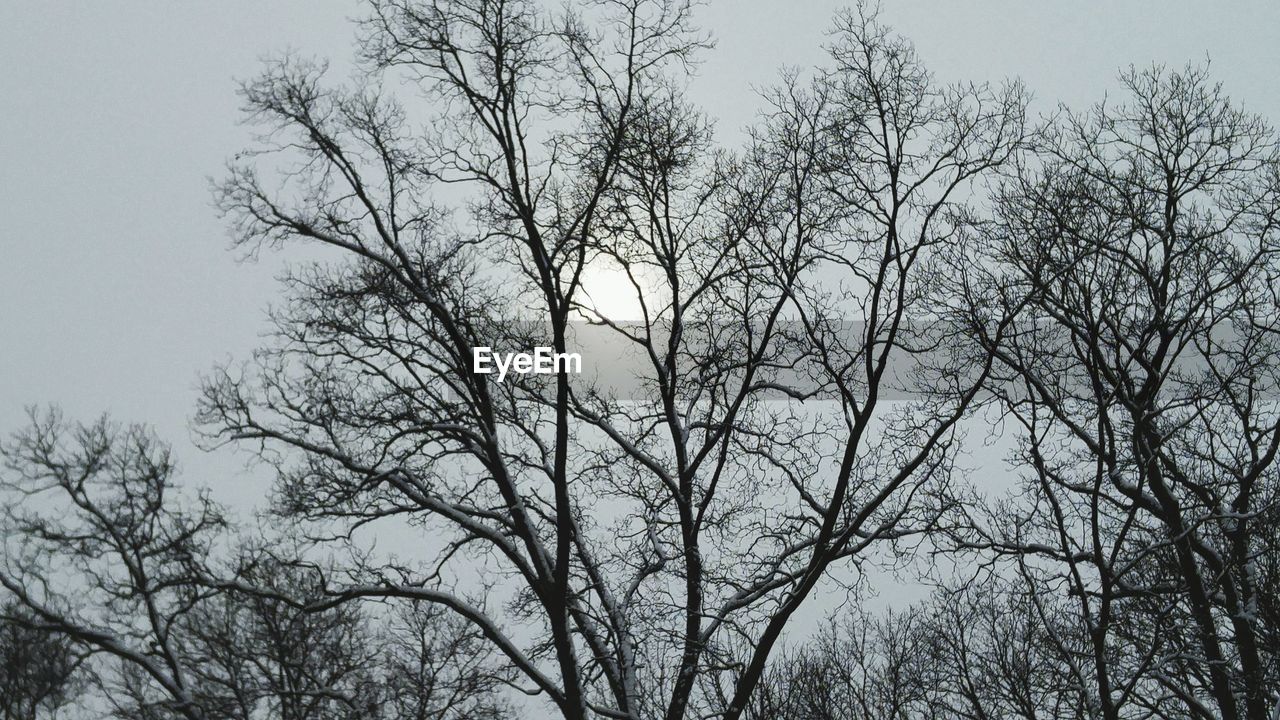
118,603
1101,286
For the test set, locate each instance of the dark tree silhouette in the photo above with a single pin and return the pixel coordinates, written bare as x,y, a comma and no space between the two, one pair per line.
263,653
100,551
647,553
437,666
1138,252
37,668
983,649
817,312
110,575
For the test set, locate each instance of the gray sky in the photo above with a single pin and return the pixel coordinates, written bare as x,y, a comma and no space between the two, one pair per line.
117,288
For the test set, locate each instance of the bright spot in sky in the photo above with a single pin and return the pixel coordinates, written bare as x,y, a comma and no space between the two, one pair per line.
608,292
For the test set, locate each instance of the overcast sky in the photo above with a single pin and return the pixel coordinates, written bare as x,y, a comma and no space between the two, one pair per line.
117,289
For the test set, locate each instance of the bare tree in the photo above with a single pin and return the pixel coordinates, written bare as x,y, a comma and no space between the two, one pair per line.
979,649
647,552
263,652
437,666
817,312
99,550
1138,254
858,667
1001,652
111,576
37,668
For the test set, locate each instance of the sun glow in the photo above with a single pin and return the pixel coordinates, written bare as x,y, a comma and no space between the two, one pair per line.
607,291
